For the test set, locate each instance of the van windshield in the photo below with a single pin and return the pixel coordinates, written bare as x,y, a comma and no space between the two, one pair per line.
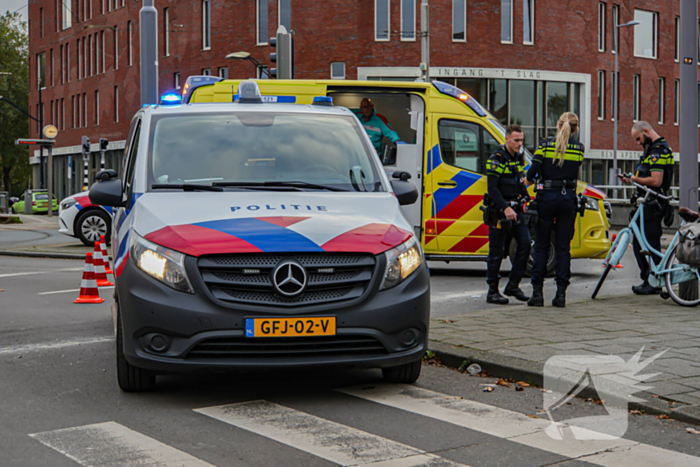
258,147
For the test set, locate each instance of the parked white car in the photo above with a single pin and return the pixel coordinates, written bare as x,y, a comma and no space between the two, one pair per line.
81,219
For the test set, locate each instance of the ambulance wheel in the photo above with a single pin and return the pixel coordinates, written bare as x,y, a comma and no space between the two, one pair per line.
131,378
403,374
91,224
551,259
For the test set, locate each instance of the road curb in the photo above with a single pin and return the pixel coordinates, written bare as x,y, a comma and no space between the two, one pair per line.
524,370
41,254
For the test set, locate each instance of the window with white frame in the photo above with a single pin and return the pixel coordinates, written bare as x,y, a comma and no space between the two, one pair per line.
613,95
528,22
601,94
79,68
67,14
507,21
176,78
102,50
261,12
116,103
206,24
337,70
166,31
636,111
129,43
645,34
677,48
206,71
676,101
284,13
381,20
662,100
97,107
408,20
601,26
116,48
459,20
223,72
41,70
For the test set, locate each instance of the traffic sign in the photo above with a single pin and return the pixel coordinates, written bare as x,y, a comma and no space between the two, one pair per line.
50,131
42,142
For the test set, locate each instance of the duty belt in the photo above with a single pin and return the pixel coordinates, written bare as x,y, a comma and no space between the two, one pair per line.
559,184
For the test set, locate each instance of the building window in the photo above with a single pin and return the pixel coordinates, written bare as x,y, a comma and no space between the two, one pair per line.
176,78
73,110
85,106
408,20
79,110
66,13
662,100
284,13
381,20
41,22
116,103
459,20
645,34
261,21
528,22
601,94
676,101
613,93
616,30
206,24
67,62
53,68
90,50
116,48
78,59
507,21
97,107
677,48
166,30
601,26
337,70
206,71
636,83
102,49
128,43
63,113
41,70
223,72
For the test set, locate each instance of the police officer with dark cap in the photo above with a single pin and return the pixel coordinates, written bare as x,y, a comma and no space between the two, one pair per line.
555,164
655,171
504,177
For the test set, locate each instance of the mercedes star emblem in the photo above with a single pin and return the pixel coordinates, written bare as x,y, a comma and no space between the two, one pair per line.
289,278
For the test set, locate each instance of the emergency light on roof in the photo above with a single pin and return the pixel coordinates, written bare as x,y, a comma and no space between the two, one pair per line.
170,99
323,100
457,93
248,93
193,82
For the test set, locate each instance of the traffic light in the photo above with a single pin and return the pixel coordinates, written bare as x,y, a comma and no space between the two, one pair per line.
283,55
273,57
103,144
86,147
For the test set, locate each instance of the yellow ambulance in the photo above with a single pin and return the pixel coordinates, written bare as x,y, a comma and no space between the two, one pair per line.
449,137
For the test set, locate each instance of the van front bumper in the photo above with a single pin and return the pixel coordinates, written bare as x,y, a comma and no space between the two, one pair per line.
165,331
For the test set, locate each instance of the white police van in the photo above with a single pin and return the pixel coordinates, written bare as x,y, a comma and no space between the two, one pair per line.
256,235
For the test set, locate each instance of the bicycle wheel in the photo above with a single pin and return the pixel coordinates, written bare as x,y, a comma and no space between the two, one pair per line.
682,284
602,279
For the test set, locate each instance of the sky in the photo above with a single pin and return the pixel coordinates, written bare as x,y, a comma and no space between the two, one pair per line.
13,5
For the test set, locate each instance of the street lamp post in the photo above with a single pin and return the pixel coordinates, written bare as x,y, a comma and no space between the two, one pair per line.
616,105
246,56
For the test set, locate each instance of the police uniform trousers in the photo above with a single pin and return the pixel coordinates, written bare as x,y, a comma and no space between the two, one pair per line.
557,213
499,239
652,232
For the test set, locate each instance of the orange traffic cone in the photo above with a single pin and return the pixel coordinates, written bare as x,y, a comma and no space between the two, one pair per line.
105,254
88,286
100,274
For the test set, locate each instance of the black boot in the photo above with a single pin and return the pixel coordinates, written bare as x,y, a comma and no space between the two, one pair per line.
560,299
512,290
494,297
537,298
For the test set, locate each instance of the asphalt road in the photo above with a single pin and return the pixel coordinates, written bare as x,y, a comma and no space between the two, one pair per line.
61,406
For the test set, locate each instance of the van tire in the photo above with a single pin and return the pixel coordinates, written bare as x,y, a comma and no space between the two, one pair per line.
551,261
131,378
404,374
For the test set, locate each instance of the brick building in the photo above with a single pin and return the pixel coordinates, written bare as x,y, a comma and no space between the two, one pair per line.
526,60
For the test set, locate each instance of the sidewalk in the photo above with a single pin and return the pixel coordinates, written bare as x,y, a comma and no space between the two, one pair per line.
38,236
517,341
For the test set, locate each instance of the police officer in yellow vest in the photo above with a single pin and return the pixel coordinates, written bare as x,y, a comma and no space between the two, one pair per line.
655,171
504,177
555,164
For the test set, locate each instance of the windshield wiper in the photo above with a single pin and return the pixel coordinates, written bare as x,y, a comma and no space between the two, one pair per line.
185,187
273,184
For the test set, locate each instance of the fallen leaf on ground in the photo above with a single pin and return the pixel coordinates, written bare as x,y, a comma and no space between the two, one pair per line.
654,395
503,382
449,321
662,417
542,411
519,388
523,384
692,431
635,412
532,416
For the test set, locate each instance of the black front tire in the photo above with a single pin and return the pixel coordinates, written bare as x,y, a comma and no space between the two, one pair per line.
131,378
405,374
95,218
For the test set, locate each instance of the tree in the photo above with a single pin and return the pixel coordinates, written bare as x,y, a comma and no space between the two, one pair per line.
14,59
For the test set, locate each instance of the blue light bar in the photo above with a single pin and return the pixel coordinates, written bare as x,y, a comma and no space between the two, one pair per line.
323,100
457,93
193,82
170,99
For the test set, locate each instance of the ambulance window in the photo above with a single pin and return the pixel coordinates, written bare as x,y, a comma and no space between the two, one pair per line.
131,162
460,145
490,144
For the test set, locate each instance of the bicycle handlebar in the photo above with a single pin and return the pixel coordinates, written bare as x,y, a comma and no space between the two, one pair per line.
647,189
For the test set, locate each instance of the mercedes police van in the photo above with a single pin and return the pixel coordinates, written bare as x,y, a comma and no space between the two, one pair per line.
261,235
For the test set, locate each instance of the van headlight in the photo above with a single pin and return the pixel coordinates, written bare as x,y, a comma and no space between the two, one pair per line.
401,262
164,264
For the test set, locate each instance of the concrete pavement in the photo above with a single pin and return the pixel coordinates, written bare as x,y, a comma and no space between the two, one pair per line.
38,236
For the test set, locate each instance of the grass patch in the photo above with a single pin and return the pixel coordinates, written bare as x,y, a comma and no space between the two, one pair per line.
10,220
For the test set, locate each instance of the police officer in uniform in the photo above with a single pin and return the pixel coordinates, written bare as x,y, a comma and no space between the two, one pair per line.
555,164
655,171
504,176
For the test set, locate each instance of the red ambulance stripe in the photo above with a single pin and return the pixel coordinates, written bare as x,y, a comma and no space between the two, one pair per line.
443,225
481,231
196,241
460,206
371,238
469,245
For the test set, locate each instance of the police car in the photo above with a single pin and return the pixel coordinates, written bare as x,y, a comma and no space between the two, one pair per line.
261,235
79,218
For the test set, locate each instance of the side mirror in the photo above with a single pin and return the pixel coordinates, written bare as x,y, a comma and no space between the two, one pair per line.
405,192
106,174
107,191
401,175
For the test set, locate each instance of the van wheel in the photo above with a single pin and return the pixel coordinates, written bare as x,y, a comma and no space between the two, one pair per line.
406,374
130,378
551,259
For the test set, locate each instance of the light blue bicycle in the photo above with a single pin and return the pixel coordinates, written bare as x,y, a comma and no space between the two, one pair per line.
682,281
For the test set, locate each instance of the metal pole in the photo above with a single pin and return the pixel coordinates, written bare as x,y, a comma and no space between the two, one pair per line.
425,40
149,52
41,148
689,106
49,176
616,87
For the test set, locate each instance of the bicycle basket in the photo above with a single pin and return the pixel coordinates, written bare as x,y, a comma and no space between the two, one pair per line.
688,250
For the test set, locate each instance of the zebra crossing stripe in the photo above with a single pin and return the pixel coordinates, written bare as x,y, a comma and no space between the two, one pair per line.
111,444
517,427
322,438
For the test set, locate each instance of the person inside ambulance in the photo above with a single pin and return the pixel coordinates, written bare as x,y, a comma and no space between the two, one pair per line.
376,127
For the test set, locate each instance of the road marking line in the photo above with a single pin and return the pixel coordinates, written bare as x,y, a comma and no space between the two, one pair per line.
322,438
111,444
73,290
21,349
516,427
39,272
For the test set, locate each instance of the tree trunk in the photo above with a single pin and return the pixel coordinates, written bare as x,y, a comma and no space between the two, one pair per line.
6,181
